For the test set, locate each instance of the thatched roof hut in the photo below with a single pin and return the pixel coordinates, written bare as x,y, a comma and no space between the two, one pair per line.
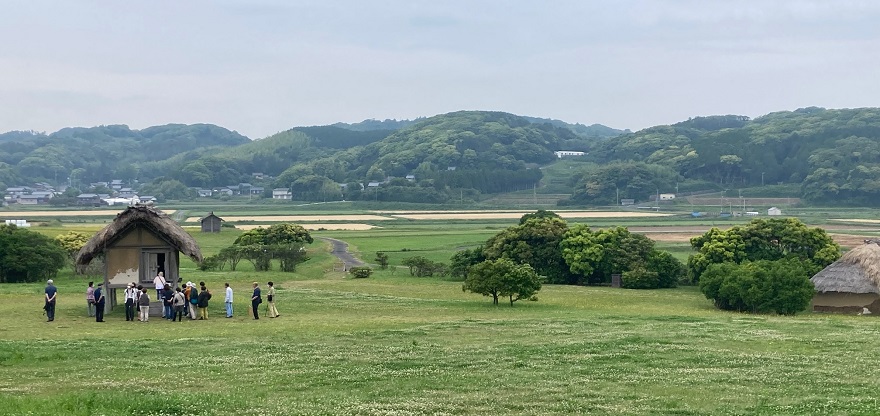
851,283
139,244
140,216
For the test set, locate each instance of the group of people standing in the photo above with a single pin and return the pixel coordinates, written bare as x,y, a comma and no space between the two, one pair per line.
176,302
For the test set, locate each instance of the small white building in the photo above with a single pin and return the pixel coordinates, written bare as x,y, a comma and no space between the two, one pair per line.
563,153
667,197
281,193
773,211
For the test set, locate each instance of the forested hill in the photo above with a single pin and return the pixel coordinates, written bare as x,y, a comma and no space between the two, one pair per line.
469,152
96,153
834,155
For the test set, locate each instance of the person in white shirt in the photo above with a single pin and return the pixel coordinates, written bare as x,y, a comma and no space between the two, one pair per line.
228,301
159,282
130,300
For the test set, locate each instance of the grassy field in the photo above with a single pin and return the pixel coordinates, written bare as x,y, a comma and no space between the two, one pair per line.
398,345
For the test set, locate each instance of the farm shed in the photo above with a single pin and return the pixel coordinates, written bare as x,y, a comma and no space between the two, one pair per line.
211,223
850,283
140,242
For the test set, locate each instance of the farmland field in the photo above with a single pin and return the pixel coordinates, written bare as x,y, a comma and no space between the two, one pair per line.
399,345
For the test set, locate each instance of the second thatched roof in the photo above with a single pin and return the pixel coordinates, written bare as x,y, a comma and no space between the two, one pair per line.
858,271
149,217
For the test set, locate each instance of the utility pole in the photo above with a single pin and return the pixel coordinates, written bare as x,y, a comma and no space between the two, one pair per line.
762,178
658,200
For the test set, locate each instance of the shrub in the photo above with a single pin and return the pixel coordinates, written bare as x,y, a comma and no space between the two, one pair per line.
639,278
361,272
764,286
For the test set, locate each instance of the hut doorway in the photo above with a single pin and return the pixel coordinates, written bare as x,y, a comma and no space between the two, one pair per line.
153,262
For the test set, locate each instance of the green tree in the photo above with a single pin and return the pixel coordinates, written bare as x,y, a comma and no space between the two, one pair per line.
536,243
28,256
463,260
283,242
764,239
764,286
361,272
503,277
539,214
71,242
382,260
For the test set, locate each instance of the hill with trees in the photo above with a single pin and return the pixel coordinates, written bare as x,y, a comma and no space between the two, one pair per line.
99,153
831,154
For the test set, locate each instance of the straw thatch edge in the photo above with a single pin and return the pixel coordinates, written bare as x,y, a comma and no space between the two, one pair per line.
150,217
858,271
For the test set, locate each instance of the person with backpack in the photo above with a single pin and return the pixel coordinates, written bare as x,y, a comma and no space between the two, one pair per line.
144,305
203,298
159,282
167,299
192,299
256,300
177,303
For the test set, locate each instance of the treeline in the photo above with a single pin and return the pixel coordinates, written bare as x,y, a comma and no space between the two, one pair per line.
831,154
83,155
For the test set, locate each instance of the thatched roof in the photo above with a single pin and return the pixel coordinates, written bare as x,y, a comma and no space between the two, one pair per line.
858,271
148,217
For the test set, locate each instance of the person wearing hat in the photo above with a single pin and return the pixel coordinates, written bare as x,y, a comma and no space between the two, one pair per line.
130,298
192,296
51,295
100,301
256,300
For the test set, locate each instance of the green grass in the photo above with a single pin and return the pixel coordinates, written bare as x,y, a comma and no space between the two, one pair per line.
400,345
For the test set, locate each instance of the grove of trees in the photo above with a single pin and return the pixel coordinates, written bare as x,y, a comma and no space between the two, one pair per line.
28,256
764,266
575,255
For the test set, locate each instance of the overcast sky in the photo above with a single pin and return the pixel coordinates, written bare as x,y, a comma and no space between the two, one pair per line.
263,66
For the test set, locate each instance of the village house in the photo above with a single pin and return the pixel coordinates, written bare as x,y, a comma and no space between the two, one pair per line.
281,193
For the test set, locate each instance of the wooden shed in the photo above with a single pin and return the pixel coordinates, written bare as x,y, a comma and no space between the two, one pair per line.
140,242
851,283
211,223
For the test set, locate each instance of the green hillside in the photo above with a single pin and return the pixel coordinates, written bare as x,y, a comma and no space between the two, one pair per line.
831,154
99,153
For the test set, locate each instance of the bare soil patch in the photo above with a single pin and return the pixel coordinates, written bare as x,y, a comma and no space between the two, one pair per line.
515,215
317,226
23,215
297,218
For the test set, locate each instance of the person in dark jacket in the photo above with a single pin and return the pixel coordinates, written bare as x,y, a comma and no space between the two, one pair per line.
167,299
100,301
144,305
256,300
204,297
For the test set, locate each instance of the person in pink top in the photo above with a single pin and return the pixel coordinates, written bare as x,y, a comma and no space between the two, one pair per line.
90,298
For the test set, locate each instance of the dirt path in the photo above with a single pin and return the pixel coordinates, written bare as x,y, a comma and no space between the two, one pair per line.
340,250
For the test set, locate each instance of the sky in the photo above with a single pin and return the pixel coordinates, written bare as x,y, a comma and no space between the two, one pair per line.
264,66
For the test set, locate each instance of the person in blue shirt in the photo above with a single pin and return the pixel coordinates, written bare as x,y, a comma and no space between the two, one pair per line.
100,300
50,298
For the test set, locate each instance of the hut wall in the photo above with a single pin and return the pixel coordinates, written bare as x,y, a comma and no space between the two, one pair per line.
211,225
123,266
123,259
845,302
